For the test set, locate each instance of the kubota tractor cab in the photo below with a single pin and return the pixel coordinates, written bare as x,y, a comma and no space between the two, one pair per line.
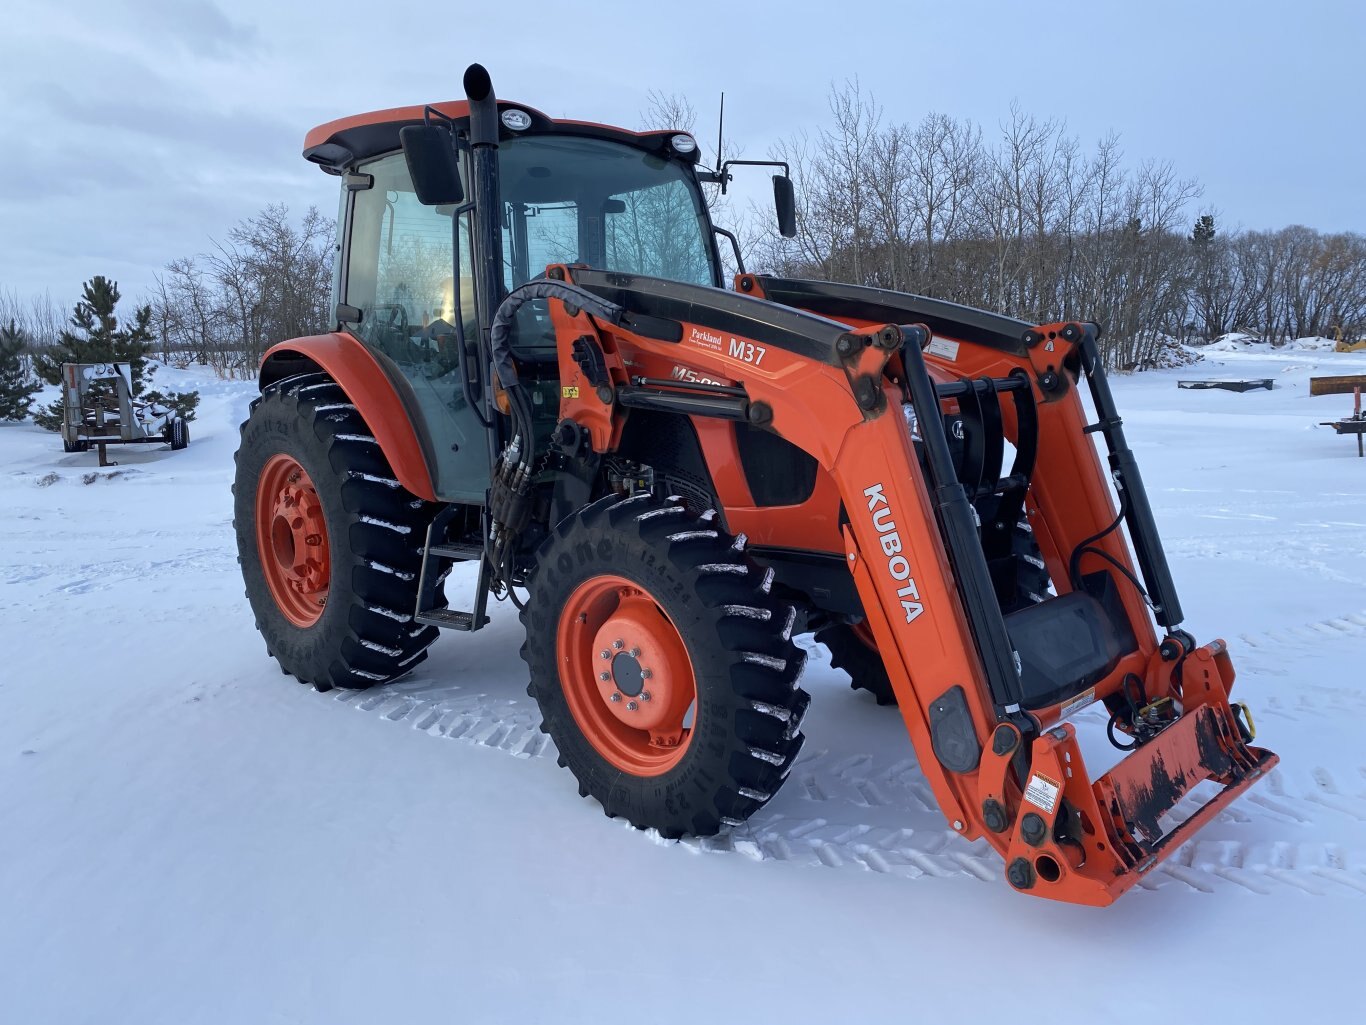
537,370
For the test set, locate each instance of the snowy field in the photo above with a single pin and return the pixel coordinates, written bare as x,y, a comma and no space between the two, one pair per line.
186,835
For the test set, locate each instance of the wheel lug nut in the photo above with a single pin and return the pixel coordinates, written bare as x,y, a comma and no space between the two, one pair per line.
631,706
616,696
618,644
645,695
635,653
604,677
645,674
604,653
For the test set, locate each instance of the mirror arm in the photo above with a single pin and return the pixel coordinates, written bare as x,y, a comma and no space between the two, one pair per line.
724,175
734,245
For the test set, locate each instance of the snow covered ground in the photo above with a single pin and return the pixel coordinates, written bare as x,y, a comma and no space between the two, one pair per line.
188,836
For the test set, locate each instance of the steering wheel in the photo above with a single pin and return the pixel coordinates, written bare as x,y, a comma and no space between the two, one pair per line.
397,320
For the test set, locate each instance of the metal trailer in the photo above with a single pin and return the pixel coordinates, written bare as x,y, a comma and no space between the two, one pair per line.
1240,385
1354,424
98,409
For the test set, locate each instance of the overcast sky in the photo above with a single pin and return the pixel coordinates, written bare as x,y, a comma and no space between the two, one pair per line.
133,131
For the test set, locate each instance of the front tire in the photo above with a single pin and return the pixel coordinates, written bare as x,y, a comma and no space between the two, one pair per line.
329,543
687,619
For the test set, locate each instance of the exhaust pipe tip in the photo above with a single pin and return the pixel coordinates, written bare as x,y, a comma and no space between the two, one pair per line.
483,106
478,84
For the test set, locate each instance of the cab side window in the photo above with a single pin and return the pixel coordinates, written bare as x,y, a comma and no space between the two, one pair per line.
400,265
398,274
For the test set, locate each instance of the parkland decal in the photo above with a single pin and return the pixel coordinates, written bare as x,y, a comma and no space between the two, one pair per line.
897,564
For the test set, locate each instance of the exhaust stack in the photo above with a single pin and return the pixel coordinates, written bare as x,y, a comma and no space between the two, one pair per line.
488,229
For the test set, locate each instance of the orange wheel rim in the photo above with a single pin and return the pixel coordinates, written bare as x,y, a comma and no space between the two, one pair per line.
626,675
291,539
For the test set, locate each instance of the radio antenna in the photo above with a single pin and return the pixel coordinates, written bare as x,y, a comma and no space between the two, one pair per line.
720,125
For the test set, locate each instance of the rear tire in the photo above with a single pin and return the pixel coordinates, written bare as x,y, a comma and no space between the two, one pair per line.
853,650
332,548
697,614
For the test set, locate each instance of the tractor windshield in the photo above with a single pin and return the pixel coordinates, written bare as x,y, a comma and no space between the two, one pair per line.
570,199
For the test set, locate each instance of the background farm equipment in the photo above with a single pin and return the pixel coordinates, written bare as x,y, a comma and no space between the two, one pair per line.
1342,343
1347,425
98,409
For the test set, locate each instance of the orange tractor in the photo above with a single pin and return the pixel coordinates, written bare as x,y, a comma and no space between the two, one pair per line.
537,370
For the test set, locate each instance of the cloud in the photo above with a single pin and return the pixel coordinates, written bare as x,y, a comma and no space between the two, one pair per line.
199,26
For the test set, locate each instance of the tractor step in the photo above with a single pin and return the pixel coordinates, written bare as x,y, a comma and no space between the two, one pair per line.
457,552
437,558
450,619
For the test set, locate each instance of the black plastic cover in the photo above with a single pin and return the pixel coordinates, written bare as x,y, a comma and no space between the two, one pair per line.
1065,645
952,733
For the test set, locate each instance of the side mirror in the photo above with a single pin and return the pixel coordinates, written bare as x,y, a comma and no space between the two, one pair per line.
432,164
785,202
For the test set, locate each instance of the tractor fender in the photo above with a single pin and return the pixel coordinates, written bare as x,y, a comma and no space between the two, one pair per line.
343,358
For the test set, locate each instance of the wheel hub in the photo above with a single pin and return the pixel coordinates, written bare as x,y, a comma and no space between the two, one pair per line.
626,675
641,688
291,534
298,534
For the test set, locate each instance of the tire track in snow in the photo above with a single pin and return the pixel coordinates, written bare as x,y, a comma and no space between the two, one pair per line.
865,812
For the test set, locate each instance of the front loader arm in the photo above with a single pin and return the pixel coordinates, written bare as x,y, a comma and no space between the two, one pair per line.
837,391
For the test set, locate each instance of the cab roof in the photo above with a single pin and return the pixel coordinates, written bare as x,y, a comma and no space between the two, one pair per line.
339,145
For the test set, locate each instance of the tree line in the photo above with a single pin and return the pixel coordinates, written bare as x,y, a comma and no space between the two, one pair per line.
1024,220
269,279
1028,222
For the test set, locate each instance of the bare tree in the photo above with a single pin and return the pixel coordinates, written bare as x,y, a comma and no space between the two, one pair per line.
268,280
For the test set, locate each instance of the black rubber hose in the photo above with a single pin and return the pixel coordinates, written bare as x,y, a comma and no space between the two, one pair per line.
500,334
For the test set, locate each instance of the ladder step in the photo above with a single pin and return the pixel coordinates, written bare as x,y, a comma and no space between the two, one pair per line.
458,552
450,619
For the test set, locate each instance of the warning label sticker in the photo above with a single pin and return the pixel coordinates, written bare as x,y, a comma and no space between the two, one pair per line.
944,348
1080,701
1042,792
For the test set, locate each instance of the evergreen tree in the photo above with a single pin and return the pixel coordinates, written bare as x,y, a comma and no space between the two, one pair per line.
183,402
16,390
1203,232
95,335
